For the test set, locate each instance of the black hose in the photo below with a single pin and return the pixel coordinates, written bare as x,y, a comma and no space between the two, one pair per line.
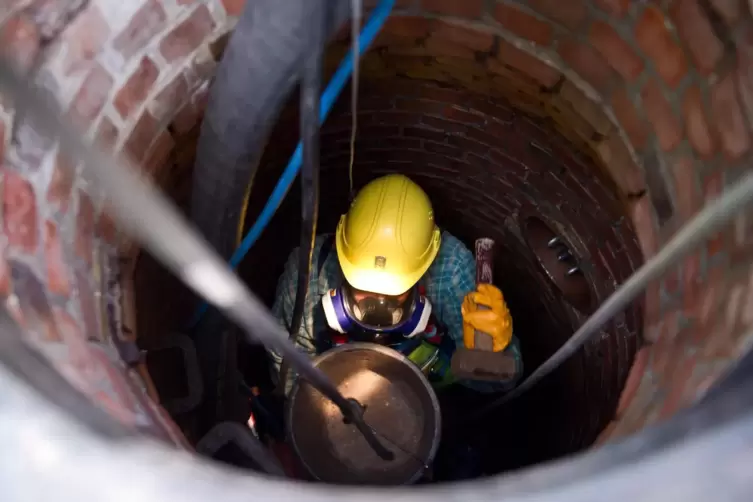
260,67
311,84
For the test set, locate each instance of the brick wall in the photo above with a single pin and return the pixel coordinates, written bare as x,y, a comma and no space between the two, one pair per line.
657,94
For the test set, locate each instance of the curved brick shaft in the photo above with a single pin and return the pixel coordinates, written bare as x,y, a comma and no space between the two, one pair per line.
656,94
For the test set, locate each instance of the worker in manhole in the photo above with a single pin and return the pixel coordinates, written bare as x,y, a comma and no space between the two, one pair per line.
389,275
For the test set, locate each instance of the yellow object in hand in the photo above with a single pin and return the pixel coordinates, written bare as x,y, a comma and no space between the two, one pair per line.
495,320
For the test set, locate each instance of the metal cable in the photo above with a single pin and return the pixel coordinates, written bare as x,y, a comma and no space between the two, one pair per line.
309,129
142,211
708,221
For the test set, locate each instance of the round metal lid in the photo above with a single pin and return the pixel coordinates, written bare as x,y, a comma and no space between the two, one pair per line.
400,406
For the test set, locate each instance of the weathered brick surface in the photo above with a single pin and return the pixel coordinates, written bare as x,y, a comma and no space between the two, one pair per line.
466,132
523,24
20,213
83,39
137,88
57,273
148,21
653,37
188,35
615,50
659,112
20,39
92,96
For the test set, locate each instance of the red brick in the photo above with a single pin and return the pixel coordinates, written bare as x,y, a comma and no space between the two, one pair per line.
19,212
188,35
171,97
107,134
615,50
582,105
469,145
141,29
32,298
616,7
627,115
695,30
686,187
84,38
443,149
744,71
141,137
189,116
4,276
137,88
20,40
403,29
158,154
106,228
523,24
88,306
680,372
92,96
570,13
429,91
419,106
727,117
656,41
666,125
428,134
465,8
233,7
620,165
729,10
588,64
458,115
642,216
59,190
529,65
441,124
57,269
85,228
696,126
637,370
446,38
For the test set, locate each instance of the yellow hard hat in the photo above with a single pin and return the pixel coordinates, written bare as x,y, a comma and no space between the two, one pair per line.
388,238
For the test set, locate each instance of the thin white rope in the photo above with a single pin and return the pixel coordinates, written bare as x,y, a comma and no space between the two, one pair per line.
355,29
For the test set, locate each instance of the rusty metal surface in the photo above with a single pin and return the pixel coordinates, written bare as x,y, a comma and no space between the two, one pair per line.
399,404
560,265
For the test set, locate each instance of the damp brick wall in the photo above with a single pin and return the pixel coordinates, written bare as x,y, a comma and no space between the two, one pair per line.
660,94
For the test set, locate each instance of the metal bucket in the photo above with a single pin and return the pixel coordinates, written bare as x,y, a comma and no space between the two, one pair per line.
400,406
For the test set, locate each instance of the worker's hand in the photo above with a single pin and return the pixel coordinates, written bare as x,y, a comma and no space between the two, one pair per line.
496,321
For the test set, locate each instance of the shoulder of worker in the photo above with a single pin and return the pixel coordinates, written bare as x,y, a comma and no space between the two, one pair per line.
453,259
325,273
451,276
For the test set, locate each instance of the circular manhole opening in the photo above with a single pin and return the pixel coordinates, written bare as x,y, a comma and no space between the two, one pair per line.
560,263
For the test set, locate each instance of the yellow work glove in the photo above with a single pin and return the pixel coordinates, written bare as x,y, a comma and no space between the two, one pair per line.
496,322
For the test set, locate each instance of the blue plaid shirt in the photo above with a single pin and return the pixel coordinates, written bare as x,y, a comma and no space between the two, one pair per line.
449,279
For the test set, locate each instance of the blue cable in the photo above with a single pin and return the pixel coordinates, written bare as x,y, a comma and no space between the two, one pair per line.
331,93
